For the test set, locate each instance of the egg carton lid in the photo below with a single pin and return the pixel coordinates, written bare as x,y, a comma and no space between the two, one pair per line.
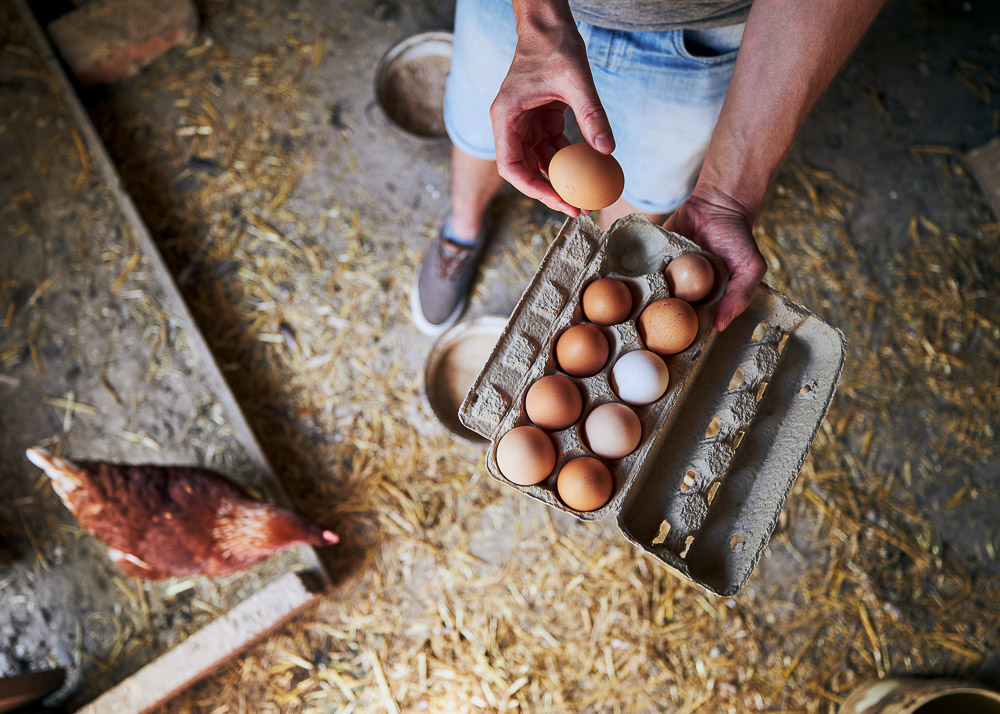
744,463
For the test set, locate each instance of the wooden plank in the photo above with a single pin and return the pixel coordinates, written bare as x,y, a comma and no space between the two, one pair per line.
210,647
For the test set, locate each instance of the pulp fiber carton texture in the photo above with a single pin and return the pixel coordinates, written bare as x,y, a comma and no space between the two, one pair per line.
721,449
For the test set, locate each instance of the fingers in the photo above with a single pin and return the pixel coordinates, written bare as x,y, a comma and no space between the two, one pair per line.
547,149
548,135
590,114
671,224
523,173
543,153
517,164
743,281
526,142
541,189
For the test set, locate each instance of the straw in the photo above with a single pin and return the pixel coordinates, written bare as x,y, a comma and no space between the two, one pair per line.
460,595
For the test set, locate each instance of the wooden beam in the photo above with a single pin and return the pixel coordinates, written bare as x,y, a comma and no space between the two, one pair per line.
210,647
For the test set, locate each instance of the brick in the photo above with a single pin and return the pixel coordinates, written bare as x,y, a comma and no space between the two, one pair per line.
108,40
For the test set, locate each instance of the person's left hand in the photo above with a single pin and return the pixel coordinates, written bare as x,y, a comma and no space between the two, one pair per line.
723,226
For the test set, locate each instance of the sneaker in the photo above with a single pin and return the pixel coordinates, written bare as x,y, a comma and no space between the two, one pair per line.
441,291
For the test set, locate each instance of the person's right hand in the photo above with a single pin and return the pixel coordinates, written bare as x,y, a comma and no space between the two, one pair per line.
548,73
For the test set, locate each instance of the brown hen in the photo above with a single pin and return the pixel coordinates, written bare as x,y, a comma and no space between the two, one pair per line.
161,521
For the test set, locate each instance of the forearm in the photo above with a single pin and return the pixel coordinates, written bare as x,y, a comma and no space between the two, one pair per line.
790,52
541,16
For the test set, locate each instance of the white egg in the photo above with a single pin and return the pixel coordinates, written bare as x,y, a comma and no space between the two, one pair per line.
640,377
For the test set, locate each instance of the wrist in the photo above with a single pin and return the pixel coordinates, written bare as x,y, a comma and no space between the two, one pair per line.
713,198
737,183
543,18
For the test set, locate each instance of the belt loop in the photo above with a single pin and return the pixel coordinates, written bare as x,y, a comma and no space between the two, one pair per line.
599,41
616,49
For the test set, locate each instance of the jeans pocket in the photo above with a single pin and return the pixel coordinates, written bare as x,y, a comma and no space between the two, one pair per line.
710,47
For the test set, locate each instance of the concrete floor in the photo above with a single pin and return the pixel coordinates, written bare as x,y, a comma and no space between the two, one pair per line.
364,192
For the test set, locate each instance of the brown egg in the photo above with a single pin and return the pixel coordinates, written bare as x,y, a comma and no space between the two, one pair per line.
582,350
526,455
607,301
613,430
690,277
554,402
584,484
586,178
668,326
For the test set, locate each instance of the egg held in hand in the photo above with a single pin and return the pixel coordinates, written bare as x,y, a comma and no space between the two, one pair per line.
526,455
582,350
586,178
584,484
612,430
554,402
668,326
607,301
690,277
640,377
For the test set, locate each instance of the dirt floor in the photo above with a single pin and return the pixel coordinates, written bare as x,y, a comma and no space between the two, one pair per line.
93,365
294,221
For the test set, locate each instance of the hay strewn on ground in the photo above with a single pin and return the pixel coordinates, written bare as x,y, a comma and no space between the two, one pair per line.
460,595
571,618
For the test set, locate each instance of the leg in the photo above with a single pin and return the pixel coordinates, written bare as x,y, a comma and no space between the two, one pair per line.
474,182
484,40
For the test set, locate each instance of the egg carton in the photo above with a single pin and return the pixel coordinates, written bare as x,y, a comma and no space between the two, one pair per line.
720,449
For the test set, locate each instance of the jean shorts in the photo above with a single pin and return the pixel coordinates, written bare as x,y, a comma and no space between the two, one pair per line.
662,92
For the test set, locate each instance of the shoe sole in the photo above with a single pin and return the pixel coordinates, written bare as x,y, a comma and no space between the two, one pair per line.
417,313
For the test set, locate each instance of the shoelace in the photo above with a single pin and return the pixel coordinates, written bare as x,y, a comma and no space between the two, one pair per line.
449,265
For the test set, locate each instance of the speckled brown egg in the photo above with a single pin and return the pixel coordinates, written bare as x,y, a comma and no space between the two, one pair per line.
607,301
586,178
613,430
554,402
690,277
526,455
585,484
668,326
582,350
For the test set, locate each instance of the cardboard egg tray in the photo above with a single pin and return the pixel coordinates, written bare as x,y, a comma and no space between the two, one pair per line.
720,449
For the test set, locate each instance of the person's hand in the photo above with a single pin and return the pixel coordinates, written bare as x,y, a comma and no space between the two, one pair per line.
548,73
722,226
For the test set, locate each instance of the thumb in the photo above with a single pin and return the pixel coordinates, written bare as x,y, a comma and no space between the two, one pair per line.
591,117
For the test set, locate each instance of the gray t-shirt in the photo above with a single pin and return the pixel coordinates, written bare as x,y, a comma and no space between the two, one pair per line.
660,15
